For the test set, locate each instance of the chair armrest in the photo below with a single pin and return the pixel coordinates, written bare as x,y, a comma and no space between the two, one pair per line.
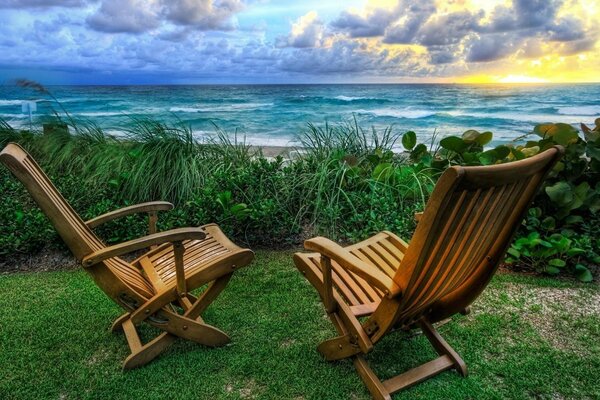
350,262
150,207
418,216
171,236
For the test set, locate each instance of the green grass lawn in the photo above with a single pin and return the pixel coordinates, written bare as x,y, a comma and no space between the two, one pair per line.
526,338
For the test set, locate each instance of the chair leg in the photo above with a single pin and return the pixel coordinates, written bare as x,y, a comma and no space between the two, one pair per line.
118,324
143,354
382,390
209,295
375,386
189,326
149,351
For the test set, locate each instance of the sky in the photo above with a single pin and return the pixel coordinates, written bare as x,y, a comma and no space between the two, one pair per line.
309,41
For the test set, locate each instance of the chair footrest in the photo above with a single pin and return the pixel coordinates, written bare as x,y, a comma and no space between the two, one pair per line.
418,374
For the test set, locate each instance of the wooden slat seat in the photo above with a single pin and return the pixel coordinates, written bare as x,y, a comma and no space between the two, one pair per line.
383,251
199,255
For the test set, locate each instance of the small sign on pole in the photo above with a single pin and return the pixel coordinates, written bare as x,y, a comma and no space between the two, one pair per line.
29,107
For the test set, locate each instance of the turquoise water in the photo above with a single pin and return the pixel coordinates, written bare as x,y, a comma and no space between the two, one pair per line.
274,114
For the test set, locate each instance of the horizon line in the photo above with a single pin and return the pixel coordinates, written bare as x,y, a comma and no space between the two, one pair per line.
323,84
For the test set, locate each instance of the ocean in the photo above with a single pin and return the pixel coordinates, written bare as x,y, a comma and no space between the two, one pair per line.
275,114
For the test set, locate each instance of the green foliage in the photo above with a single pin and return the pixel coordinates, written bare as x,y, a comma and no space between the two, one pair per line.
571,193
348,183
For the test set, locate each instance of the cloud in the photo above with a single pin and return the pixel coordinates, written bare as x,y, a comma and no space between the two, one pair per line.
203,14
349,57
138,16
307,31
523,14
373,24
490,47
409,18
442,56
41,3
217,40
567,29
448,29
127,16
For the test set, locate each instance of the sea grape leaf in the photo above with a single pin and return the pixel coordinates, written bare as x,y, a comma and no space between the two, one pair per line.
453,143
470,136
543,130
488,157
419,151
549,223
583,274
502,152
560,193
530,151
552,270
557,262
518,154
409,140
484,138
564,134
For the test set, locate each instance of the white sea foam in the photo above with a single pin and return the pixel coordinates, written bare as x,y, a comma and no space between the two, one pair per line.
15,116
532,118
12,102
399,113
222,107
100,114
184,109
349,98
580,110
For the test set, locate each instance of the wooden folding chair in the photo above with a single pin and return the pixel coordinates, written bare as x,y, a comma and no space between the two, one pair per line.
460,239
155,288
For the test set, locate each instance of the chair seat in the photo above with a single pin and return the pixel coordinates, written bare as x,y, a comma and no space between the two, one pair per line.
159,264
384,251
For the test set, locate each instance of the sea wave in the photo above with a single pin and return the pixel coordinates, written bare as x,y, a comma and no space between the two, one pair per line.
399,113
223,108
580,110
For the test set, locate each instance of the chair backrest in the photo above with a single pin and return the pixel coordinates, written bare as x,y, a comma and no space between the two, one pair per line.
468,224
76,234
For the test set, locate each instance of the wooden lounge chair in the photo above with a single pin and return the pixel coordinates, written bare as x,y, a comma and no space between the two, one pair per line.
155,288
459,241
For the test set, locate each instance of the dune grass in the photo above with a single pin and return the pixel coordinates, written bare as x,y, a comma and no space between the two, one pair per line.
526,338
